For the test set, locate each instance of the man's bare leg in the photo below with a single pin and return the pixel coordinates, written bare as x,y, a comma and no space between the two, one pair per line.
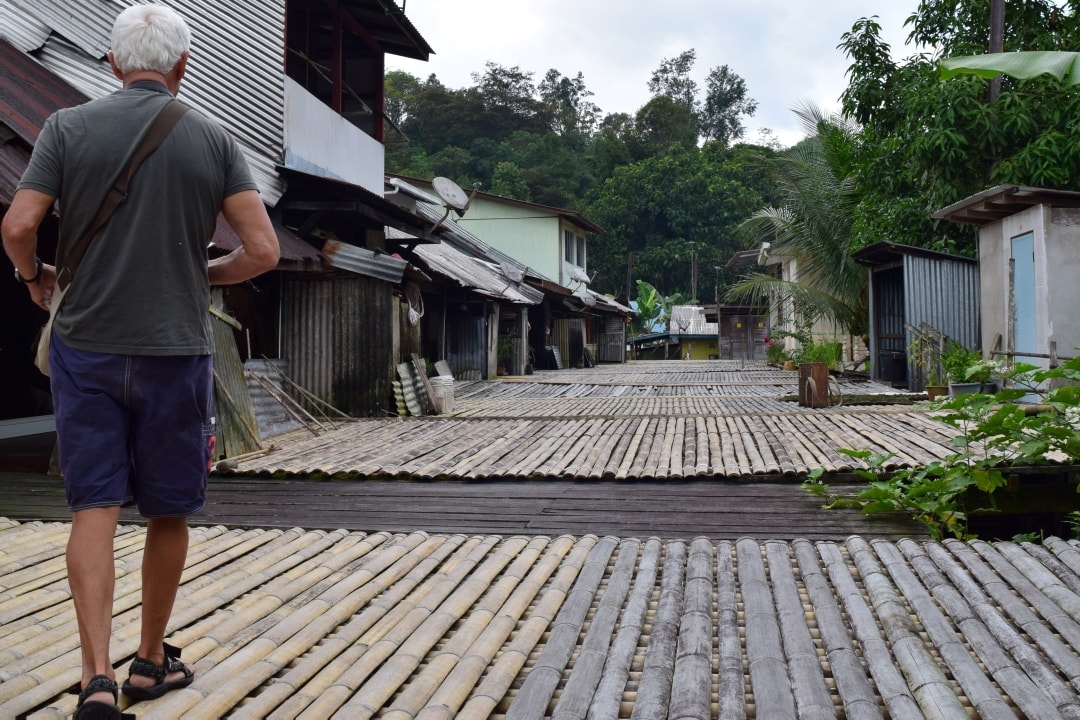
163,564
92,578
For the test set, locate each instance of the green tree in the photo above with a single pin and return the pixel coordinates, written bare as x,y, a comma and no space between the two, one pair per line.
926,144
725,104
672,80
664,213
508,182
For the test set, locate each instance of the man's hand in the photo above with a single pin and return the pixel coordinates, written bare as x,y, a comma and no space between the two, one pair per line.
41,292
258,251
19,230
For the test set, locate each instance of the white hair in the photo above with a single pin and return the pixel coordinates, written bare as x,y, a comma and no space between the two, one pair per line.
149,37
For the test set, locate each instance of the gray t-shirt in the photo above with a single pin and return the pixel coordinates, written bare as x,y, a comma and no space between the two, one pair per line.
142,287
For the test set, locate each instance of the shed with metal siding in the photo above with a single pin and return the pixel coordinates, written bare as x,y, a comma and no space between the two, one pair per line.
909,286
337,335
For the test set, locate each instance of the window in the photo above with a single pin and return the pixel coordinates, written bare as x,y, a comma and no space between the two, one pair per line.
581,251
568,246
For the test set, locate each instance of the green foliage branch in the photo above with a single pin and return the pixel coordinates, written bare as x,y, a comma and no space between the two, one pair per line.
996,433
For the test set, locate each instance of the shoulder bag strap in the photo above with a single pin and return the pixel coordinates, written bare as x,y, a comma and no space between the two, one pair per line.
162,126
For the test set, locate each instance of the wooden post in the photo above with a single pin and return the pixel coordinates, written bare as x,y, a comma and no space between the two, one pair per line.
814,385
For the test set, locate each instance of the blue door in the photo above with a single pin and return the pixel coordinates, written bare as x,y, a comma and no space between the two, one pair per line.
1024,337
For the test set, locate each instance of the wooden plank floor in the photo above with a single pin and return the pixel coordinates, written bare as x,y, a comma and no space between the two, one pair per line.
717,510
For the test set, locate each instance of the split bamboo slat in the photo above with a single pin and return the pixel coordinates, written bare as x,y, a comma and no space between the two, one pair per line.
581,686
1054,633
691,689
654,690
772,693
812,697
964,669
1020,668
928,681
535,695
731,694
607,698
852,685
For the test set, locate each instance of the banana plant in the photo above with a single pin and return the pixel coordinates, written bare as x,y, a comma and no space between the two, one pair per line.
1064,65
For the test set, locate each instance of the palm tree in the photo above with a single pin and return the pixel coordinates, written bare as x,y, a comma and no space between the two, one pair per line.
812,225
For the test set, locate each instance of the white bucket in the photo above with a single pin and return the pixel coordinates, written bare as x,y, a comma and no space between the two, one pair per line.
442,387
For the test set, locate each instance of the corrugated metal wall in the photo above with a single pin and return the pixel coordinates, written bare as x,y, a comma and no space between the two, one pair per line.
611,345
569,336
944,294
337,337
466,343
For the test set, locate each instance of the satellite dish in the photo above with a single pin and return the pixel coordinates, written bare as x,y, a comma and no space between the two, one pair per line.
588,299
513,272
451,193
579,275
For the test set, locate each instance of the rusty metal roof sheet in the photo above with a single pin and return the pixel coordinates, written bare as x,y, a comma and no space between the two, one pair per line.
477,275
30,93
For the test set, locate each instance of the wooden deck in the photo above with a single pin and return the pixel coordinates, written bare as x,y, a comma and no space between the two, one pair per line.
556,593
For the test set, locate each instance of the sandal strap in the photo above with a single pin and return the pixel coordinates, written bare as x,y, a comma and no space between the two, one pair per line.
172,664
97,684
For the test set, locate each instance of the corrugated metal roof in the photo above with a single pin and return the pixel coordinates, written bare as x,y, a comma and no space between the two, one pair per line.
452,233
292,246
86,23
690,320
30,93
572,215
364,262
1004,200
234,75
21,30
475,274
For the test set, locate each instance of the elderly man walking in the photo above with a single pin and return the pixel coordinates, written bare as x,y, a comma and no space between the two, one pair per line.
130,357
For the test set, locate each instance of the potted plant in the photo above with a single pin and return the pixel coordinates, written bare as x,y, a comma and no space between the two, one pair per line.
935,386
504,353
965,368
925,353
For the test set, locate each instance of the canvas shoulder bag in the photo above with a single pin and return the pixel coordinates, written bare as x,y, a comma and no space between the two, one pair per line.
159,130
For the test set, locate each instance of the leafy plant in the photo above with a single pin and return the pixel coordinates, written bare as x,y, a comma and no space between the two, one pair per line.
828,353
774,351
957,360
996,433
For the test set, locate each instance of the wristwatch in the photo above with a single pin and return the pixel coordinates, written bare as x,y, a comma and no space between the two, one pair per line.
37,273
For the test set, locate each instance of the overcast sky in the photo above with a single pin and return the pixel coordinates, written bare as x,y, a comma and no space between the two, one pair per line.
785,50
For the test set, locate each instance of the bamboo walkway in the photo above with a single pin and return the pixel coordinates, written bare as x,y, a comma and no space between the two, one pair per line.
643,611
647,420
336,624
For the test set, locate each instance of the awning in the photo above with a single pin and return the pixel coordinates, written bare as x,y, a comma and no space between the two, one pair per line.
292,246
312,193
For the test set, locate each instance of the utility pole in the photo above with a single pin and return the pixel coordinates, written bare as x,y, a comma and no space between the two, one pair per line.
693,274
997,41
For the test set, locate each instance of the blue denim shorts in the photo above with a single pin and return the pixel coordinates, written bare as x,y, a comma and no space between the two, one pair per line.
133,429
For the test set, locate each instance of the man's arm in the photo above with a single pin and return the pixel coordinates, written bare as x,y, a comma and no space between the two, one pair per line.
258,251
19,230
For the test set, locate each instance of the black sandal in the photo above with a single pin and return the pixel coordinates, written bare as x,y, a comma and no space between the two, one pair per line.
95,709
172,664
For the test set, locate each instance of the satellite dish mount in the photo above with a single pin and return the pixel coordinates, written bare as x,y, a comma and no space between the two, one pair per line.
453,197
